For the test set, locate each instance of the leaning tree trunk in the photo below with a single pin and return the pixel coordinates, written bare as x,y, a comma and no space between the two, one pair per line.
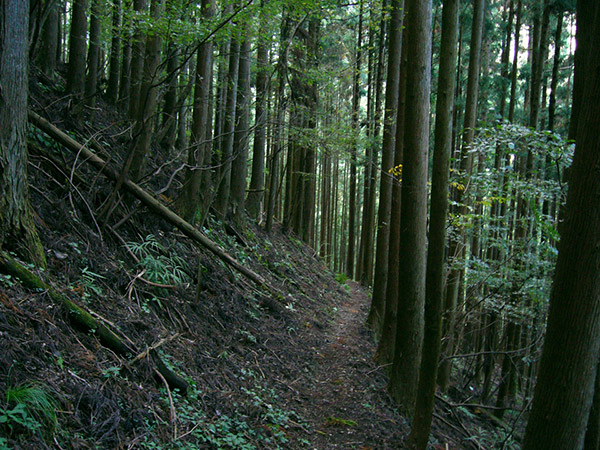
17,229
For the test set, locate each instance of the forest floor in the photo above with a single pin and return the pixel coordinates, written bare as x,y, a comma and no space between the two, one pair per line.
287,370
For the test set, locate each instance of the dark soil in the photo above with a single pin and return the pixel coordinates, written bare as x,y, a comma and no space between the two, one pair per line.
265,371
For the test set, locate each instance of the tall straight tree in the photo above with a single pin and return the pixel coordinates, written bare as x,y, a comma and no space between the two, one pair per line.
350,258
148,96
77,47
47,56
387,342
93,59
137,57
112,90
239,167
457,244
563,394
513,71
226,143
282,71
17,229
376,312
555,70
541,20
190,201
413,233
257,180
434,287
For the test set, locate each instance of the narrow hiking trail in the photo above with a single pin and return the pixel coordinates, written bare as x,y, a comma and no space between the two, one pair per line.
345,397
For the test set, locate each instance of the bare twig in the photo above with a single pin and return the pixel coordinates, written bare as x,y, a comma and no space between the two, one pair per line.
173,414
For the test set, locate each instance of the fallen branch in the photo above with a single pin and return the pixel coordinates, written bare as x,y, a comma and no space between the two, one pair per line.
145,353
154,205
84,320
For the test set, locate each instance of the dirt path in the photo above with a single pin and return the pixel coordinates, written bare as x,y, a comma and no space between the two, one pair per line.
345,397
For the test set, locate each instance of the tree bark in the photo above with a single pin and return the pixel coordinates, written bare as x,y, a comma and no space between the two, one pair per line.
376,313
239,167
112,90
77,47
226,143
147,100
93,58
48,53
555,69
257,180
387,342
504,60
434,289
279,123
136,69
515,64
192,198
564,390
17,228
125,75
354,151
168,127
413,239
457,245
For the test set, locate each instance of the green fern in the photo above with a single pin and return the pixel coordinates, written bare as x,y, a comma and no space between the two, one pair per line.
158,266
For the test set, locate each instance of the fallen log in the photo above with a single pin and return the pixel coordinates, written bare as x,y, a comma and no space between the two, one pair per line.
147,199
84,320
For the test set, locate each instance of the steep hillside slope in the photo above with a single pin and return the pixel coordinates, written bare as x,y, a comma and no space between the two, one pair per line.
288,367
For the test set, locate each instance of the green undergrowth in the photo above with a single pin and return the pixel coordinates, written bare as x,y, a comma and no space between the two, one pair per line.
258,421
29,410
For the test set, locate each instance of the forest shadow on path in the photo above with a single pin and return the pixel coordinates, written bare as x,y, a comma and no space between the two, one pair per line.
344,397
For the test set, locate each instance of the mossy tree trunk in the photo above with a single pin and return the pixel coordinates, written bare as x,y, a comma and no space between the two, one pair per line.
17,229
